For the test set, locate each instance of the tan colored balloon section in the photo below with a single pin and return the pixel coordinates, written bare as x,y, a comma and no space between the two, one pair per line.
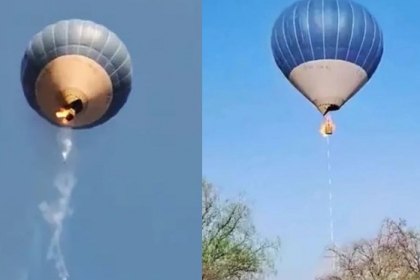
70,77
328,84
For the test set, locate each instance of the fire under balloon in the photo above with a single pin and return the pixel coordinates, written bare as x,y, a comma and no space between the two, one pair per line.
73,103
327,127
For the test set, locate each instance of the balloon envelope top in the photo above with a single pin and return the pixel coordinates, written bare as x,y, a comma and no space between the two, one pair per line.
326,40
81,63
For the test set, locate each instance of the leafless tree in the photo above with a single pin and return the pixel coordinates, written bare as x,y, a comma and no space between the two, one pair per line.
394,254
232,250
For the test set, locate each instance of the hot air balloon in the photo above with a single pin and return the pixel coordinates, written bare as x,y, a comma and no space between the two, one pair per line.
328,49
76,73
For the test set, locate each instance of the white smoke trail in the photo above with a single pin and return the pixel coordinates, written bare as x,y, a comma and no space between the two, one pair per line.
55,212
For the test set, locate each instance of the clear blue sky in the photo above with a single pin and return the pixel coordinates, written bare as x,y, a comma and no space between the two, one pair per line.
261,137
136,208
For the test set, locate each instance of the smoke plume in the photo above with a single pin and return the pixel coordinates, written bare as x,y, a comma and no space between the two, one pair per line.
56,211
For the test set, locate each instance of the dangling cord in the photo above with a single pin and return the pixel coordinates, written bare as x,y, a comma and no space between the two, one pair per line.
330,203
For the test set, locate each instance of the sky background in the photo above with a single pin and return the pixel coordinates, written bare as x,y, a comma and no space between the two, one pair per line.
260,137
133,193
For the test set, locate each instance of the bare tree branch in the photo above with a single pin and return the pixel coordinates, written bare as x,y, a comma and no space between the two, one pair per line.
394,254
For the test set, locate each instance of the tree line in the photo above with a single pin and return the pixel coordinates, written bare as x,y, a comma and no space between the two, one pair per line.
232,249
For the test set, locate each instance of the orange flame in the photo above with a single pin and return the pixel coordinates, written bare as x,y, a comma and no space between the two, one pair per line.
63,114
327,127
